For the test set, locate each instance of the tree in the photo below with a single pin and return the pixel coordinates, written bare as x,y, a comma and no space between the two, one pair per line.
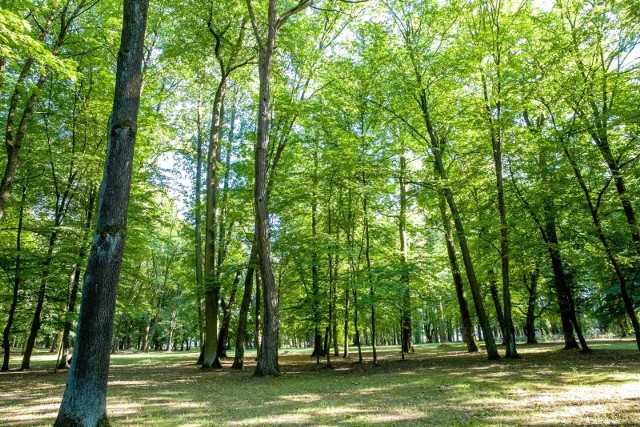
84,400
268,361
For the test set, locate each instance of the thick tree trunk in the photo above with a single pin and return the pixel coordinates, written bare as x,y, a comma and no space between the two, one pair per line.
17,279
84,400
241,334
257,318
268,359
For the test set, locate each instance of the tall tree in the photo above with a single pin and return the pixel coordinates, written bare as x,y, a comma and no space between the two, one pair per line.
268,360
84,400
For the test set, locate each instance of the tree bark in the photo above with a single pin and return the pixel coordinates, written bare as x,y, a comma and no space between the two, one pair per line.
372,295
84,400
268,359
407,333
226,318
617,268
66,342
532,288
17,280
492,351
467,325
211,278
241,334
493,290
198,229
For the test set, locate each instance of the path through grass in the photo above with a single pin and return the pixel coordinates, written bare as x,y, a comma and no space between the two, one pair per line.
438,385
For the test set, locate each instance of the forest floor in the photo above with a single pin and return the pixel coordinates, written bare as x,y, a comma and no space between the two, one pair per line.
437,385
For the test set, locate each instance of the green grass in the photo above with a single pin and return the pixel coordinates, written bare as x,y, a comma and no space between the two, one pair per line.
438,385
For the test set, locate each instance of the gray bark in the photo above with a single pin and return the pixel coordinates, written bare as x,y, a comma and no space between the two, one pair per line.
84,399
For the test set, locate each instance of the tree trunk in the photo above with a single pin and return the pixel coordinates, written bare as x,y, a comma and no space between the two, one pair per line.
84,400
257,335
492,350
355,324
367,251
211,278
622,281
407,333
318,348
532,288
17,280
241,334
37,321
493,289
268,359
467,326
68,323
226,319
198,230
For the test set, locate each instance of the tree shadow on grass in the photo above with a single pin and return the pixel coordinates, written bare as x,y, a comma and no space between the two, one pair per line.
434,386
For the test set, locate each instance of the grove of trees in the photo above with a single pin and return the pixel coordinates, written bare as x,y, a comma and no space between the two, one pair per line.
328,174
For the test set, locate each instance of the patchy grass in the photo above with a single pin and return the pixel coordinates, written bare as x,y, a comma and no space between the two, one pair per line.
437,385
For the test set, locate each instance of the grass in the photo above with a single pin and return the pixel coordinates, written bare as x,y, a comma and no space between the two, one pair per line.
437,385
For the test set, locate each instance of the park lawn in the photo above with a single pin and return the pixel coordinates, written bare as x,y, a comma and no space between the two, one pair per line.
437,385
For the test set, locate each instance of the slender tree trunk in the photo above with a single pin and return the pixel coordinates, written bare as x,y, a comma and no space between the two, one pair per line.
17,279
37,321
547,228
493,289
355,324
241,334
66,342
90,364
211,278
532,288
327,344
562,286
257,336
14,137
367,251
198,230
407,333
345,343
622,281
467,326
492,350
226,319
318,349
496,132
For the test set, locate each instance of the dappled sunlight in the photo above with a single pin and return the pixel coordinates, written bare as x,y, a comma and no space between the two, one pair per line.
302,398
286,419
437,386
